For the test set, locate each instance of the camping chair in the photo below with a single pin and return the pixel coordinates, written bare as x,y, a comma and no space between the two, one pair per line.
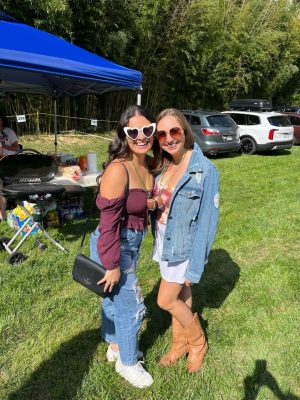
25,176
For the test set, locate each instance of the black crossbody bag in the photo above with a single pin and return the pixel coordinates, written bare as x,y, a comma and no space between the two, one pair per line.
86,271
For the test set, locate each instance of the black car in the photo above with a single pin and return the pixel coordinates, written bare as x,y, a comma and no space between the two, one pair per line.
251,105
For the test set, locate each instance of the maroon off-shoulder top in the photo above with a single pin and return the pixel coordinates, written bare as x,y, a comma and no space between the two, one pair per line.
108,245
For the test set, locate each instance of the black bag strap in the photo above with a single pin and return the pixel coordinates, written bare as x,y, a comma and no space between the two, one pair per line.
98,179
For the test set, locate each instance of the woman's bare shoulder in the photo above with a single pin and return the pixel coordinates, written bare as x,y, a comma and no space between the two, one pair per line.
114,180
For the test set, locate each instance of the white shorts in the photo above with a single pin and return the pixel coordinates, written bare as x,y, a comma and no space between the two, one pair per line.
170,271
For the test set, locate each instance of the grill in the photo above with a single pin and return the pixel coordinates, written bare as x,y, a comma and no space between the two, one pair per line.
33,192
26,176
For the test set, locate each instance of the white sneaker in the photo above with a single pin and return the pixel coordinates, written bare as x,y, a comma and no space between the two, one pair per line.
136,375
112,355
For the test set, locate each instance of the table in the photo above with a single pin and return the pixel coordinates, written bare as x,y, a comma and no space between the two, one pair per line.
86,180
75,191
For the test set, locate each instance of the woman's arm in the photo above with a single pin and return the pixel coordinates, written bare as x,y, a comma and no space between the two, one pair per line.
10,140
112,189
13,147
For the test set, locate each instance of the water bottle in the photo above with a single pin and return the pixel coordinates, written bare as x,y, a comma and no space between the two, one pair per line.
37,214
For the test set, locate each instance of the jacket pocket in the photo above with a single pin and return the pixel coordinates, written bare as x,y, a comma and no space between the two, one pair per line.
185,212
189,202
190,192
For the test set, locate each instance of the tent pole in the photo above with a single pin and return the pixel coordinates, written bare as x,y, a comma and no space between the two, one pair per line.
139,98
55,120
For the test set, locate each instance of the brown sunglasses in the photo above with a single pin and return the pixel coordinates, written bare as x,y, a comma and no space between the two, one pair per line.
175,133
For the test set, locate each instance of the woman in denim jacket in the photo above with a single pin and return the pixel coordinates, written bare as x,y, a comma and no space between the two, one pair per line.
187,197
123,200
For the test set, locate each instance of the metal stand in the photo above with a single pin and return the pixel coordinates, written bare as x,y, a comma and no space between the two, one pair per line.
35,224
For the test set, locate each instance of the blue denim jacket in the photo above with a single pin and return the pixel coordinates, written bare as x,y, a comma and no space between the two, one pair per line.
193,216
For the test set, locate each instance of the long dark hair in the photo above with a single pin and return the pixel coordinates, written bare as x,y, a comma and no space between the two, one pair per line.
4,120
161,157
119,146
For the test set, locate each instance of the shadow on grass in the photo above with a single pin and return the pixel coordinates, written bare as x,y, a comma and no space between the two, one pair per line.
158,321
74,230
218,280
220,156
275,153
60,377
262,377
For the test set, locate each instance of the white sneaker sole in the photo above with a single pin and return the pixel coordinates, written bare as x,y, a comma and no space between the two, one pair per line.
112,356
135,384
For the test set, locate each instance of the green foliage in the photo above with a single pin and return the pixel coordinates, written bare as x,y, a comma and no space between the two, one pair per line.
49,15
192,53
50,345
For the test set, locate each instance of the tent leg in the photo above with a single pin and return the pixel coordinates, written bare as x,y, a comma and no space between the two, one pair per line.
139,98
55,123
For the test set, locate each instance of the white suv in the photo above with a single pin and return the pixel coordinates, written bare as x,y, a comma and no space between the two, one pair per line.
263,131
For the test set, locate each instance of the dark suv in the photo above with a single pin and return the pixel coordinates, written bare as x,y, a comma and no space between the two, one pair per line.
213,131
251,105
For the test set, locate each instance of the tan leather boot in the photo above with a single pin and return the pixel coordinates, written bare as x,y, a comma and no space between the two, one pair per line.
179,345
197,344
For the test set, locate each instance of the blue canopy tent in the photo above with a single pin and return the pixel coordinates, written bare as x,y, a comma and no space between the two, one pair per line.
37,62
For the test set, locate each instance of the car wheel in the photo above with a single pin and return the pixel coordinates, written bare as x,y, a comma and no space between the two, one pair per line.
248,145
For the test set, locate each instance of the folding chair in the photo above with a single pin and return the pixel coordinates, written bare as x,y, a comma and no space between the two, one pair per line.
25,176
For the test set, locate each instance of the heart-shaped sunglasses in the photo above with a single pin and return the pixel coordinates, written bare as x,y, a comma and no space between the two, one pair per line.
133,133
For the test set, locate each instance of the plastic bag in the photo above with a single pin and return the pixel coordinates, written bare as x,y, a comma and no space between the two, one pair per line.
19,217
72,172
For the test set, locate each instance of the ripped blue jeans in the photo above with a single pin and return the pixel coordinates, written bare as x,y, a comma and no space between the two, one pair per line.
123,310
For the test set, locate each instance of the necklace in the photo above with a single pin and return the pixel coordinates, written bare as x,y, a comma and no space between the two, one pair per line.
172,176
159,201
148,192
151,202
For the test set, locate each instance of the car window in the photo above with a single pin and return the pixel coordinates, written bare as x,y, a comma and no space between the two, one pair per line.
220,120
188,117
239,119
294,120
195,120
279,120
253,120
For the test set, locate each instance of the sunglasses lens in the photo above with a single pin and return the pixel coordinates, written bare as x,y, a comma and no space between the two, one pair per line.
175,133
161,135
132,133
148,130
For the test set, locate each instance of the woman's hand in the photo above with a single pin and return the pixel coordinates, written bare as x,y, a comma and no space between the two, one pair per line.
187,283
111,278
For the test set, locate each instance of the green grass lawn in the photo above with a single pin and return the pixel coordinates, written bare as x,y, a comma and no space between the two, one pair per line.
50,345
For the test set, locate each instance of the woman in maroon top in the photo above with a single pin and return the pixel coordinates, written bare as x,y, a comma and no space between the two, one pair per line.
125,193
